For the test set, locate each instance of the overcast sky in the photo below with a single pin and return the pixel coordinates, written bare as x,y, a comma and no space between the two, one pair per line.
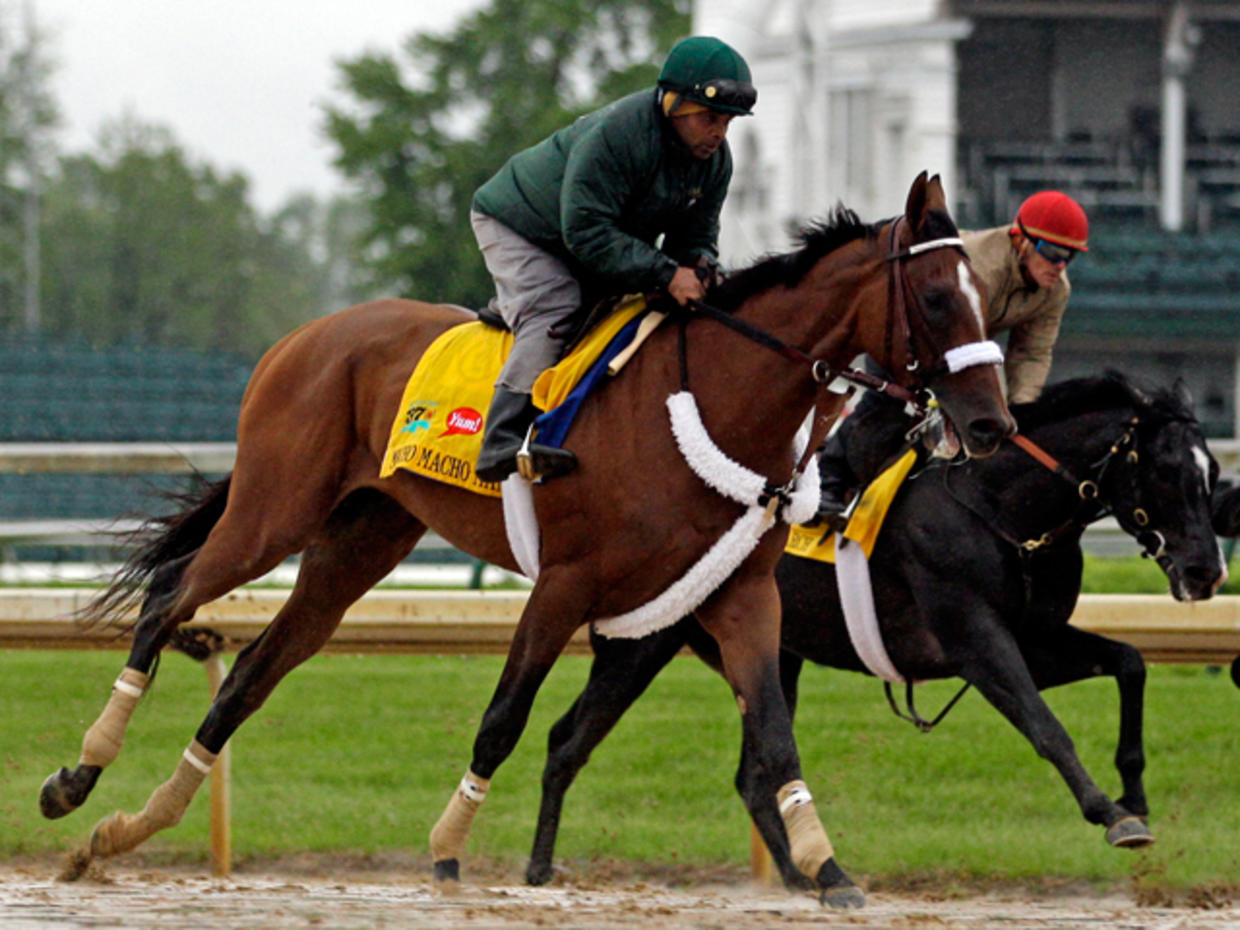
240,82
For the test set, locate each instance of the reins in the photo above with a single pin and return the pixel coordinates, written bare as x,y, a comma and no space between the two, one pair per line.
898,321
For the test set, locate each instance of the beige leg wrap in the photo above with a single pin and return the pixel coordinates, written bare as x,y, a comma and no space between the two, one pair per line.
450,832
810,846
102,743
122,832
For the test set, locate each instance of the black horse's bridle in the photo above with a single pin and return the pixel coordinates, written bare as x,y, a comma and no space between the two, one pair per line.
1136,523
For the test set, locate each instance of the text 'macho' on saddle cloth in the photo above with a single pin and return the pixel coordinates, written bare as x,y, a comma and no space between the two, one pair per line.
438,430
810,543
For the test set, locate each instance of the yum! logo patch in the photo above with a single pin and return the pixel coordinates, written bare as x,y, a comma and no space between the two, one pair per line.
463,421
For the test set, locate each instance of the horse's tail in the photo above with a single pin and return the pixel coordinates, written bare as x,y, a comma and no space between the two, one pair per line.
159,545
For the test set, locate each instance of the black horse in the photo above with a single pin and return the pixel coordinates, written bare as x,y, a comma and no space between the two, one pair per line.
975,575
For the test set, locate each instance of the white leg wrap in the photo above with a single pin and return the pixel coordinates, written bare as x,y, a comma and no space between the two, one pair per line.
102,743
450,832
122,832
810,846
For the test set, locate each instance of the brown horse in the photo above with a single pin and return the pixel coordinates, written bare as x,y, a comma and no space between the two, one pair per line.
628,523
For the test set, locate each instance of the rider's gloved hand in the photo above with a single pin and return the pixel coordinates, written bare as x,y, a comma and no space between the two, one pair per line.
686,286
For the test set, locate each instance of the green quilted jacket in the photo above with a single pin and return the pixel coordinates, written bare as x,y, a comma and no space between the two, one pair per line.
601,191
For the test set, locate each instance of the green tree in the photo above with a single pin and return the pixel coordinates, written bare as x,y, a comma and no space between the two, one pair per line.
140,244
421,132
28,112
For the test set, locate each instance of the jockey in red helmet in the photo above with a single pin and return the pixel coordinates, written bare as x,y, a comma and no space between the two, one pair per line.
1024,267
1055,228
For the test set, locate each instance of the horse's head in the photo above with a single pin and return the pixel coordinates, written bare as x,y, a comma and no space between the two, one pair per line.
1159,482
934,335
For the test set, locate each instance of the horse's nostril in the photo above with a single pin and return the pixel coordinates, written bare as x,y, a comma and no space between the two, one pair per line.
985,432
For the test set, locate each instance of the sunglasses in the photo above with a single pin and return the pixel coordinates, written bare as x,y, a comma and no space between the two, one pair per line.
723,92
1054,252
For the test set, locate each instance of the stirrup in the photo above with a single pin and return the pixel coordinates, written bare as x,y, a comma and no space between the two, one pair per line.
537,462
836,521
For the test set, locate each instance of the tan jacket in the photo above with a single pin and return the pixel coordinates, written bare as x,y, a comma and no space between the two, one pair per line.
1030,315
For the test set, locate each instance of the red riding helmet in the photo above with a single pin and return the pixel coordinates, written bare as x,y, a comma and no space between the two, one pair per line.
1055,217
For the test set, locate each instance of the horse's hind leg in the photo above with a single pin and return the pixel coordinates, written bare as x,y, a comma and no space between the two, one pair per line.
364,539
234,552
621,672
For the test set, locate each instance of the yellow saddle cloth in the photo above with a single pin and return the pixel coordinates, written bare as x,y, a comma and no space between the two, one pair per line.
811,542
438,429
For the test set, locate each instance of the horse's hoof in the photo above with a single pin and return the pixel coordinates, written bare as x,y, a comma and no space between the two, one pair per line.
838,890
845,897
448,870
1129,833
103,839
75,866
65,790
539,874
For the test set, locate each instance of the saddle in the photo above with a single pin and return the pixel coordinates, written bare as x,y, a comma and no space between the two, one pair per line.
811,542
437,432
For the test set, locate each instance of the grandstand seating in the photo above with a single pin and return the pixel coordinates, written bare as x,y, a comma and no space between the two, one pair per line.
1116,180
1141,282
58,391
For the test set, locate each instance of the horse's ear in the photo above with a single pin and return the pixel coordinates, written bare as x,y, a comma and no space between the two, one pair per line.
1182,394
915,206
935,198
1225,510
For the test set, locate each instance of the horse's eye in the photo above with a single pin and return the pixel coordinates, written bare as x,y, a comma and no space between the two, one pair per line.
938,302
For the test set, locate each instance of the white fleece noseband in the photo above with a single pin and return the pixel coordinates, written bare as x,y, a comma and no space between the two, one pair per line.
973,353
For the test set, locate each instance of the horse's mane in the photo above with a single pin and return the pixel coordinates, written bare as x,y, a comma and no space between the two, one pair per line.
1108,391
817,239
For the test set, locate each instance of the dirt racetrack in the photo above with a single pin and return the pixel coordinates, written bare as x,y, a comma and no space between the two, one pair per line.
335,895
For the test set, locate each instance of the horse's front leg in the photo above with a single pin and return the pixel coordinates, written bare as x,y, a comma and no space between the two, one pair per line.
743,617
1065,654
552,614
997,669
764,812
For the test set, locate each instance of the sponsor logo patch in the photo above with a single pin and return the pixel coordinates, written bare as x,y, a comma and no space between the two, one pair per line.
463,421
418,416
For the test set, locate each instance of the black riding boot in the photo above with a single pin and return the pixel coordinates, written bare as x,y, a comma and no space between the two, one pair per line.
836,480
508,423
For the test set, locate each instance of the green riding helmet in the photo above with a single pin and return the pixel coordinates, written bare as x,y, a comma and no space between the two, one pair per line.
710,72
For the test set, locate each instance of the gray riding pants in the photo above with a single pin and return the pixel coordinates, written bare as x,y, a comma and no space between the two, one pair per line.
534,291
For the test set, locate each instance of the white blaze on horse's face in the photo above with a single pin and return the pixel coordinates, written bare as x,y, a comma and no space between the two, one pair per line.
965,277
1203,463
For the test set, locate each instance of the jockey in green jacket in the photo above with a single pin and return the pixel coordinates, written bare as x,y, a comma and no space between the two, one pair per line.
625,199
